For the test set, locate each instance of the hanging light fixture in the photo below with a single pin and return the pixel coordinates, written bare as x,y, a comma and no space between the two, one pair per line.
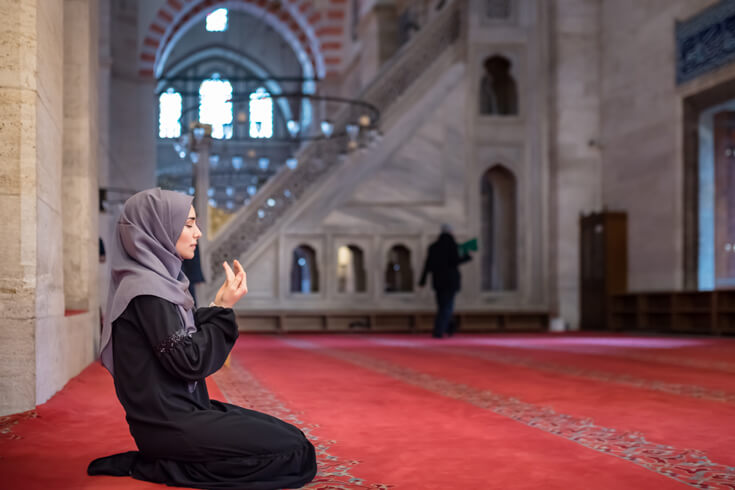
299,118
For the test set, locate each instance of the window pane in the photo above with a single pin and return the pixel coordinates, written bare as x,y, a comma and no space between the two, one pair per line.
215,106
217,21
169,114
261,114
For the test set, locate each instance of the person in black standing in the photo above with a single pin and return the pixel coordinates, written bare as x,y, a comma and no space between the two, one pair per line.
160,349
192,268
442,262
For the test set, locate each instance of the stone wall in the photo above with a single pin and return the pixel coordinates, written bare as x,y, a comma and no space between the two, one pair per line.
23,112
45,200
576,179
640,123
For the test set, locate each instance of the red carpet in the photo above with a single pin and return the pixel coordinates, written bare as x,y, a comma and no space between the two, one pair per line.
476,411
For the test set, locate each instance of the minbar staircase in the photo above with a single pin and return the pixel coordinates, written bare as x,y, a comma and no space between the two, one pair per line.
428,65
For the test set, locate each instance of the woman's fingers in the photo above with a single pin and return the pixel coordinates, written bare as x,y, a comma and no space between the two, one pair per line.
238,266
243,287
230,276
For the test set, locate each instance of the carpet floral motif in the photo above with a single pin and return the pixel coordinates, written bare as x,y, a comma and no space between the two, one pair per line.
688,466
240,387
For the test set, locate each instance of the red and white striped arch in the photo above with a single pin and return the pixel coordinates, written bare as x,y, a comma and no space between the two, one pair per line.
317,36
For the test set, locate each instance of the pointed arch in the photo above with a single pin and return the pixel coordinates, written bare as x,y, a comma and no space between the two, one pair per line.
398,270
499,204
310,33
304,270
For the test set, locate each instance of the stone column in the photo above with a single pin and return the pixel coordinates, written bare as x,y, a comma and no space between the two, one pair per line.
576,175
31,284
66,345
79,181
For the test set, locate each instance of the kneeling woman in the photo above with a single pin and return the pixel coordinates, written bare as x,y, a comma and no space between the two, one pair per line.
159,351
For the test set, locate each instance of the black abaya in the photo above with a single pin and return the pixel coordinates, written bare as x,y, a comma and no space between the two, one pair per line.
184,438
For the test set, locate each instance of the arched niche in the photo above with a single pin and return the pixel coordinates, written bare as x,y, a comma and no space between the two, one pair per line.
398,270
498,88
351,276
499,248
304,270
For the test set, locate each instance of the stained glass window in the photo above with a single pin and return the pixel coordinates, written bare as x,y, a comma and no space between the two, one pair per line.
169,114
261,114
215,105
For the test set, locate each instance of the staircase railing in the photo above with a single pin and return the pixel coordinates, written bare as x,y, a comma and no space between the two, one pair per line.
279,194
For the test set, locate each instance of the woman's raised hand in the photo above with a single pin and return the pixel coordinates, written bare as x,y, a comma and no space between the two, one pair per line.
234,287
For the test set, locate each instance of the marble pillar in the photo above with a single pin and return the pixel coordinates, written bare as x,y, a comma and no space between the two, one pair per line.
31,284
64,348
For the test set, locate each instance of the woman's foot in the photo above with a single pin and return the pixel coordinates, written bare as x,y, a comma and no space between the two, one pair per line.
116,465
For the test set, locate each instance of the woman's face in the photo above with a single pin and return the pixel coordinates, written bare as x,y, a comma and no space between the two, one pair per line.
187,241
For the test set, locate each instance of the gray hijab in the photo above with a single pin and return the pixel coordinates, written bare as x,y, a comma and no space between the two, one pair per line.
145,261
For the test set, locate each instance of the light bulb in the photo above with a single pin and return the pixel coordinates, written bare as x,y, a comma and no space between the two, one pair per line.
327,128
293,128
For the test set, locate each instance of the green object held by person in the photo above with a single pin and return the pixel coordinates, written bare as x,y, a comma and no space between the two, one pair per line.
468,246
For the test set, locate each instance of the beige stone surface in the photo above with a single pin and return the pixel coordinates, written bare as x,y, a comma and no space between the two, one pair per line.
17,140
639,134
415,174
577,163
50,260
64,347
40,348
262,276
17,367
18,44
50,78
48,155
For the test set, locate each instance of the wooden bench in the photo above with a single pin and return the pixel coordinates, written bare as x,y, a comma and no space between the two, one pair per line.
697,312
387,321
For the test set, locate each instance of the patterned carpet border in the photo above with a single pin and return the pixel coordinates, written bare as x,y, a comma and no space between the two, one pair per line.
7,423
688,466
240,387
692,391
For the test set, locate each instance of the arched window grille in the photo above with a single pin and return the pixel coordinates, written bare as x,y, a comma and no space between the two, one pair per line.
499,244
304,270
169,114
351,276
398,271
215,105
261,114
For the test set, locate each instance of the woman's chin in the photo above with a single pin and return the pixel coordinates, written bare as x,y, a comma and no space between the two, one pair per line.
189,254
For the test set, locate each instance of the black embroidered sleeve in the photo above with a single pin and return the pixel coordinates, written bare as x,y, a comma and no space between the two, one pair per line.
169,343
191,357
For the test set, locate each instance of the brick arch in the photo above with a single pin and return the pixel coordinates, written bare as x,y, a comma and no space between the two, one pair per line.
315,35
